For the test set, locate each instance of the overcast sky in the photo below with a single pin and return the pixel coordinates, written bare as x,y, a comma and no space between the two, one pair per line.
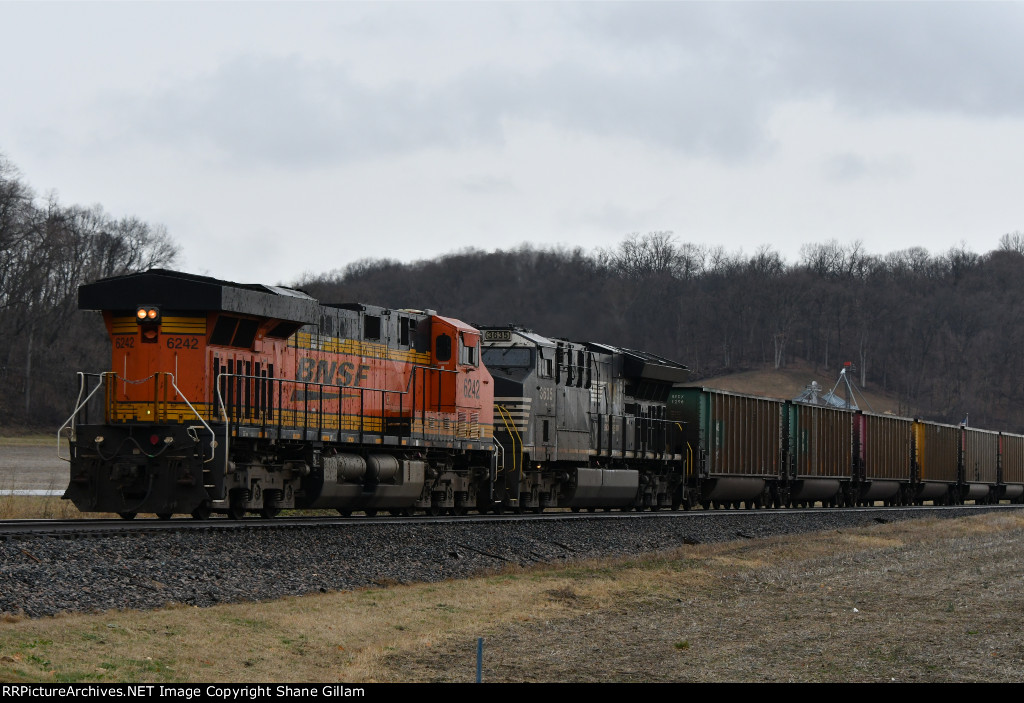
273,139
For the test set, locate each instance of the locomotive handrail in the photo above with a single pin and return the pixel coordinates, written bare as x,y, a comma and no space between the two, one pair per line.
642,444
407,410
224,378
79,404
213,436
103,381
513,433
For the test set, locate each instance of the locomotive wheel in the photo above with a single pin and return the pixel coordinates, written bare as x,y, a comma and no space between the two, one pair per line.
127,515
202,511
163,516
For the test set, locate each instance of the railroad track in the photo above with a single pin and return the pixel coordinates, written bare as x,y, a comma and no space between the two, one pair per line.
85,527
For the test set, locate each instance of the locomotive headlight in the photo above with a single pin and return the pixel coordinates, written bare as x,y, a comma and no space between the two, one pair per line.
147,314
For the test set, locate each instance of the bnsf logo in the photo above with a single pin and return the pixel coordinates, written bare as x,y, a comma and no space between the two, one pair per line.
331,372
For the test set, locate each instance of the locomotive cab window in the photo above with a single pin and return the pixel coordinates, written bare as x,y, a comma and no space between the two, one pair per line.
469,348
444,347
507,357
545,366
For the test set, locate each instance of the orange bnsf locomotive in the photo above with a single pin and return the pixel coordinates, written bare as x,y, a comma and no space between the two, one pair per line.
235,398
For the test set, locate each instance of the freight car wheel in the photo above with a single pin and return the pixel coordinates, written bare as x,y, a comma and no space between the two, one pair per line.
163,516
268,513
127,515
202,511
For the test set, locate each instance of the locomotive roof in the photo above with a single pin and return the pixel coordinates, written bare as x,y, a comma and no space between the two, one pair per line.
641,364
637,364
179,291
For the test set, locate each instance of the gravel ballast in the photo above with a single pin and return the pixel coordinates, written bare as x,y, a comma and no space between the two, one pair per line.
43,575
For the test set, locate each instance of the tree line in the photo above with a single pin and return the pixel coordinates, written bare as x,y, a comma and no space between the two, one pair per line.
943,332
46,251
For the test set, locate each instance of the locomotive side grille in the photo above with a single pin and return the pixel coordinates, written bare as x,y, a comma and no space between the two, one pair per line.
517,411
245,398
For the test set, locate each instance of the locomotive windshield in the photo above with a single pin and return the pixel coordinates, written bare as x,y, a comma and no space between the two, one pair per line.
508,357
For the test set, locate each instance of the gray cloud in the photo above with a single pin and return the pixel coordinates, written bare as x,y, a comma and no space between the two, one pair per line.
699,79
289,111
848,167
873,55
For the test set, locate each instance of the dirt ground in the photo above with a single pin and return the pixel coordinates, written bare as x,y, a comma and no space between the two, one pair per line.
899,603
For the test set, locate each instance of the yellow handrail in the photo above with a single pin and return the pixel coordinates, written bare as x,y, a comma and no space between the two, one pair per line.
513,432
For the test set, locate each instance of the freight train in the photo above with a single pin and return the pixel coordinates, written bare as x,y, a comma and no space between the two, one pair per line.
244,398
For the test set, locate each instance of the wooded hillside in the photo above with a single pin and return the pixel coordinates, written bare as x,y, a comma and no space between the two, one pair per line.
943,332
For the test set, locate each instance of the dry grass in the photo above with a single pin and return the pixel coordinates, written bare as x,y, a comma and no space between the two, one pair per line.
40,508
928,600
